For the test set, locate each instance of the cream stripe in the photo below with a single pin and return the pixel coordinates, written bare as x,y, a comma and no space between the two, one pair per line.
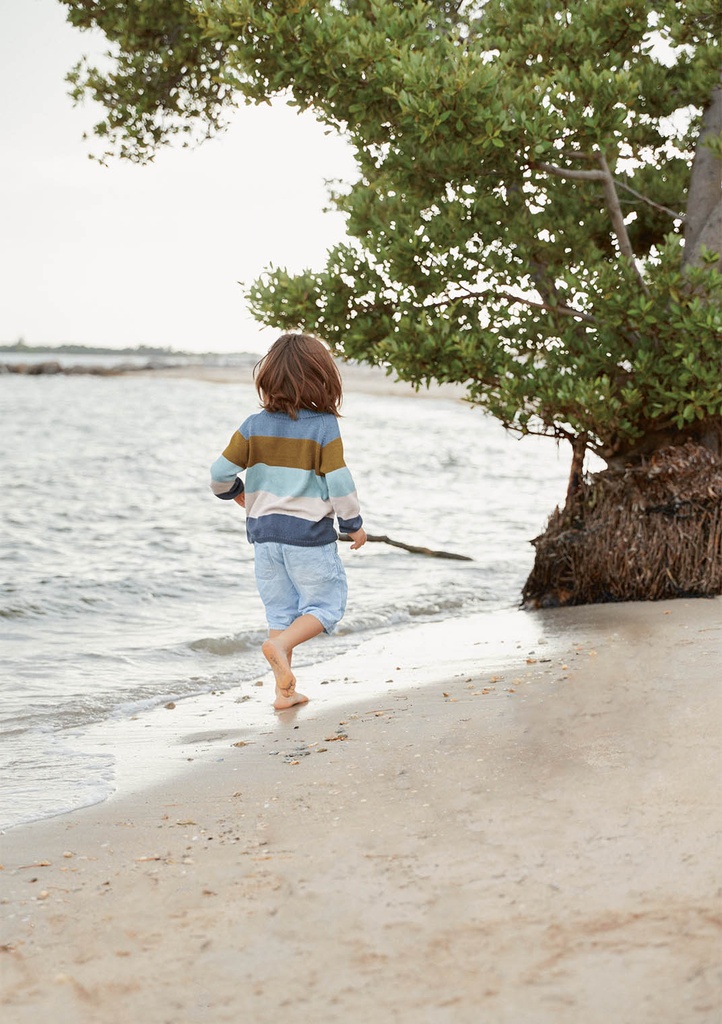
222,487
347,507
263,503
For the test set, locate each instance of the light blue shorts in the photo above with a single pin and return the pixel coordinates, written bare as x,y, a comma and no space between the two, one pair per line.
294,581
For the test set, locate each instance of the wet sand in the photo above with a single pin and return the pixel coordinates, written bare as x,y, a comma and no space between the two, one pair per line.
516,821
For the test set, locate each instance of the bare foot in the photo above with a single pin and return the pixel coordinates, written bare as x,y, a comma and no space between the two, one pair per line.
286,694
284,700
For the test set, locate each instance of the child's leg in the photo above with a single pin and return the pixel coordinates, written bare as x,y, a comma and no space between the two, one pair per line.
278,650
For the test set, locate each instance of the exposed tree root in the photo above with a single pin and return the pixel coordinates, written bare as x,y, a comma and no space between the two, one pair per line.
643,533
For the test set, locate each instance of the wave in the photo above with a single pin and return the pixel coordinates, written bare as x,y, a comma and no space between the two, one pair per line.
228,646
22,610
78,712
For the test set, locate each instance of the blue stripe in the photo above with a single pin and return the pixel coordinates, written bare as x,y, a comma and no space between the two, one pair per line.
285,481
281,529
350,525
310,426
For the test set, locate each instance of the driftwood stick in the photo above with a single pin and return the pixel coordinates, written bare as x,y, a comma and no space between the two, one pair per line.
413,548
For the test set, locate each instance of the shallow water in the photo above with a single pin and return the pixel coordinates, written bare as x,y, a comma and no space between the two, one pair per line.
125,583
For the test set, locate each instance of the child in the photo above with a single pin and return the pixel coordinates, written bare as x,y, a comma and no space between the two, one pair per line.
296,481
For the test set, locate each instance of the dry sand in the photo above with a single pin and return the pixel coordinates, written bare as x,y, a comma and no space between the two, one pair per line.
517,823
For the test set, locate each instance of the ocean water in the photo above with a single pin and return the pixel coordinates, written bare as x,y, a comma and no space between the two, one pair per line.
125,584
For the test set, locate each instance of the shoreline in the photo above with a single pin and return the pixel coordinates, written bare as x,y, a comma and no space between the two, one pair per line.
531,812
358,378
131,738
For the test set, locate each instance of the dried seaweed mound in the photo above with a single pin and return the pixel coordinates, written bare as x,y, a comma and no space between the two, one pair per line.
643,533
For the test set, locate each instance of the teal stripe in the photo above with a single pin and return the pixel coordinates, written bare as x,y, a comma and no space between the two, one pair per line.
223,470
285,481
340,483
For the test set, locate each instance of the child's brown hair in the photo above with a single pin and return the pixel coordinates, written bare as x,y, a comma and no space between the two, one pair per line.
298,372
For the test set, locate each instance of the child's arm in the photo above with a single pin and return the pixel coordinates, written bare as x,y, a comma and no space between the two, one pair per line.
225,481
342,490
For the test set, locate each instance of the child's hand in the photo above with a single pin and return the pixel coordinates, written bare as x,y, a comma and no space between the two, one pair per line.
241,500
358,538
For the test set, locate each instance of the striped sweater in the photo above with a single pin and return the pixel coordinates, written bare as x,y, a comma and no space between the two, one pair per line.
296,479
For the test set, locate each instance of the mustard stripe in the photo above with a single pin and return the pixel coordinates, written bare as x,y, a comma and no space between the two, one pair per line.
294,453
237,451
332,456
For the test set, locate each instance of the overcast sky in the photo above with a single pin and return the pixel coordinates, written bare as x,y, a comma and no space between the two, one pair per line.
129,255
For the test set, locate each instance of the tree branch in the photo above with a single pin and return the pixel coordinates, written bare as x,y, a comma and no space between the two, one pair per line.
549,307
612,201
568,172
615,211
496,293
650,202
574,154
413,548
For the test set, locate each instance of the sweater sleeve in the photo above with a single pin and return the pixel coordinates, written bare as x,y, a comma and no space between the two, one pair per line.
225,481
341,488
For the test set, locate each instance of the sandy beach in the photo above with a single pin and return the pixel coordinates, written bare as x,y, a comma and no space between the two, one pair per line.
512,818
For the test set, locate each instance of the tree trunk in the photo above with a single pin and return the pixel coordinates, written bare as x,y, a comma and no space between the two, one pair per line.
641,533
576,472
703,222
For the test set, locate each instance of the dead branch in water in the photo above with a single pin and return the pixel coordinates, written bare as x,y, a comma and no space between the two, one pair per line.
413,548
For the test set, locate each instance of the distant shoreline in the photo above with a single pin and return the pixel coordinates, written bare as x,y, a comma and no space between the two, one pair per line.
216,367
76,349
358,378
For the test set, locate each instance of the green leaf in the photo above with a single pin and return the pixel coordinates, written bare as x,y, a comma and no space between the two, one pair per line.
463,261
